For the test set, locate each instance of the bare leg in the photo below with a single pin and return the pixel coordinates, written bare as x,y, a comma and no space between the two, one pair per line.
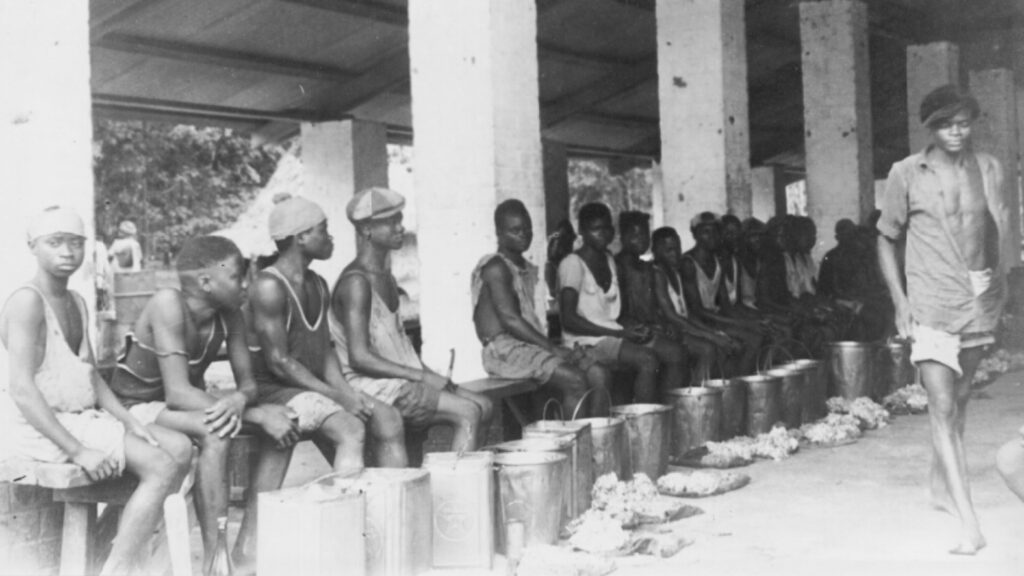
268,474
943,409
571,383
645,362
160,472
599,379
672,361
464,415
486,413
347,433
387,436
940,498
211,493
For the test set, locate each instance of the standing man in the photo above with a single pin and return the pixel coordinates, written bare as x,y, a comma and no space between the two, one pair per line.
125,250
372,347
949,202
509,328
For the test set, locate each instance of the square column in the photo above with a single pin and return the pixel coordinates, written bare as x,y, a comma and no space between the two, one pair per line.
702,92
45,128
768,192
928,67
837,114
556,183
995,132
338,160
476,116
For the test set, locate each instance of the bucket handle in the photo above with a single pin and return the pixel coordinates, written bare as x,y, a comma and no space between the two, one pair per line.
763,367
584,397
552,402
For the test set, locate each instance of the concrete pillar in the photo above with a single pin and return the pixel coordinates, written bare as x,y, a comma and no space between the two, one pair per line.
476,116
768,192
837,113
995,132
928,67
45,127
338,160
702,91
556,183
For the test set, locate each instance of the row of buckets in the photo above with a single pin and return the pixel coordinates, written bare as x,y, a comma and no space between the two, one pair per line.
459,508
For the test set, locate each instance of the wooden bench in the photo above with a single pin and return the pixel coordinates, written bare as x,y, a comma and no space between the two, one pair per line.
86,536
514,396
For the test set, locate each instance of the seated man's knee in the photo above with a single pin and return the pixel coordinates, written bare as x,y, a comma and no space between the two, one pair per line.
1010,459
344,427
179,447
212,443
647,360
486,408
388,425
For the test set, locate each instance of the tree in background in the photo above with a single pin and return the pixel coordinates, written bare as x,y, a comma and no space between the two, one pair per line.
174,181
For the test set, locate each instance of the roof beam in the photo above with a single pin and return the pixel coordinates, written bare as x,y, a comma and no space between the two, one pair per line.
569,56
101,25
628,121
591,95
383,75
103,101
234,59
360,9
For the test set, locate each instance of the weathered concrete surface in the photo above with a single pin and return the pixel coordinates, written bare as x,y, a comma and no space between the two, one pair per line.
856,509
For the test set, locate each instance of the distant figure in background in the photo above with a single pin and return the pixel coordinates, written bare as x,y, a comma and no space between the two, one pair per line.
949,203
125,250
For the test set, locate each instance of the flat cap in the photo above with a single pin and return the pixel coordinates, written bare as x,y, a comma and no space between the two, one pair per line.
704,218
374,204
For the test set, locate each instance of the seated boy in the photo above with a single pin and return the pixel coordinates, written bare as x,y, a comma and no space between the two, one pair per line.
707,343
639,304
160,376
706,294
509,328
374,351
590,304
54,407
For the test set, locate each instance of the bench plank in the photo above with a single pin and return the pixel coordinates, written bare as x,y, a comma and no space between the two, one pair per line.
499,388
45,474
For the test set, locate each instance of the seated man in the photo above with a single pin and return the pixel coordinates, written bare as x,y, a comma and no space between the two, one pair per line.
707,343
589,305
160,376
639,305
705,290
371,345
294,363
54,407
507,324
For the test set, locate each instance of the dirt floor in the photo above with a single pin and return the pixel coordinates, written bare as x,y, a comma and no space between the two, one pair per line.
855,509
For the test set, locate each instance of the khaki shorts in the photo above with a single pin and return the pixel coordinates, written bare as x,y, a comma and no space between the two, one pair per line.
944,347
508,357
313,408
147,412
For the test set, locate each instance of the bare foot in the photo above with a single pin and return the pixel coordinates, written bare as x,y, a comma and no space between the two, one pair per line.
970,543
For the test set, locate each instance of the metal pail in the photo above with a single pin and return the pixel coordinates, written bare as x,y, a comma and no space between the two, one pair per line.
852,369
894,366
462,487
696,418
398,518
734,406
559,445
610,450
530,491
791,395
815,390
582,462
764,402
648,437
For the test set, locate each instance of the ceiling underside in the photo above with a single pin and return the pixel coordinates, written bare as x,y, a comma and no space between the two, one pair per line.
263,66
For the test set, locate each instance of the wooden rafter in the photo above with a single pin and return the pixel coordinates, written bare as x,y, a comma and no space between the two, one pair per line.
234,59
593,94
155,105
360,9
